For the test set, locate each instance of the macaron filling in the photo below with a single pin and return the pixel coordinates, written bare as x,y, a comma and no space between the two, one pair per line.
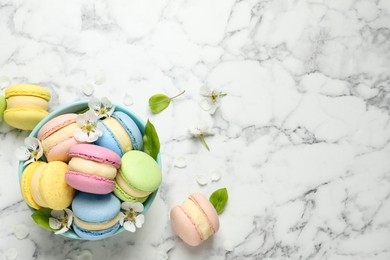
97,226
127,188
28,102
198,217
119,133
35,186
58,136
78,164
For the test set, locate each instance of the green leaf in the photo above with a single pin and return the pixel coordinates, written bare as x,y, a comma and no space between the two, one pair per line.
151,141
41,217
219,199
159,102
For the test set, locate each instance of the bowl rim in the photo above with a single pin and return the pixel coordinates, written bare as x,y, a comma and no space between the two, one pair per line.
68,109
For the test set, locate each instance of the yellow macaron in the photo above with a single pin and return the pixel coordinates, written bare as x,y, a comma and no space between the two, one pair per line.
26,105
43,185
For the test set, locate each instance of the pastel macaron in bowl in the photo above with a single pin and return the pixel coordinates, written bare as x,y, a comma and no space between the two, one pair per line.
195,220
92,168
77,107
57,137
96,216
43,185
138,177
121,134
27,105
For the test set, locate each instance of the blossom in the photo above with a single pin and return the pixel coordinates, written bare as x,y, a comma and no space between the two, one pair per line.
211,99
61,220
31,151
201,130
89,127
102,107
131,217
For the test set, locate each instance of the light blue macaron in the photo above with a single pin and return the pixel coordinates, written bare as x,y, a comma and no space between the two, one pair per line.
109,140
95,209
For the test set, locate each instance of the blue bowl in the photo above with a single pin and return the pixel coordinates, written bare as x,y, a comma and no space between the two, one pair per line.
75,108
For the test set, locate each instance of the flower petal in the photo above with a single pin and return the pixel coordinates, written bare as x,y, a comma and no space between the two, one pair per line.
206,104
126,205
22,153
55,223
139,220
204,91
29,161
32,143
58,214
70,217
94,104
138,207
122,220
129,226
62,230
106,102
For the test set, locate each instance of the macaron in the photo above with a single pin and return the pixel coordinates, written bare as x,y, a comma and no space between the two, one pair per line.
26,105
195,220
121,134
138,176
92,168
95,216
43,185
3,106
57,137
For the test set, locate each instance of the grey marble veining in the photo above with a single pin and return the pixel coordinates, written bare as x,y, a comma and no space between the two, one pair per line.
302,138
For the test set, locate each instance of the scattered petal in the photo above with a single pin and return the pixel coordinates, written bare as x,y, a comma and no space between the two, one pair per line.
21,231
84,255
100,78
215,176
180,162
5,82
211,99
129,226
202,180
11,253
228,246
128,100
88,89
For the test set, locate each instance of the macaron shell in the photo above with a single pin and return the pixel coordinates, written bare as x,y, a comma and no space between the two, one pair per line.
109,141
89,183
131,128
95,235
3,106
27,90
95,208
183,227
59,152
24,118
141,171
25,184
95,153
53,188
55,124
208,209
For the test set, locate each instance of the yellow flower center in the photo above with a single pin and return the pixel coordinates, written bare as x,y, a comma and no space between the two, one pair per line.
131,215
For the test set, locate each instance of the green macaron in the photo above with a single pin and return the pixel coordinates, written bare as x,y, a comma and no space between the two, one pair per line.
3,106
139,176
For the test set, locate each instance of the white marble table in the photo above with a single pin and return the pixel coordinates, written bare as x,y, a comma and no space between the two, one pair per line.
302,138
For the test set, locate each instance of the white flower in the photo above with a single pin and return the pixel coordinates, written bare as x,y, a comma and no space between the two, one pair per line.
131,217
211,99
31,151
61,220
102,107
201,130
89,127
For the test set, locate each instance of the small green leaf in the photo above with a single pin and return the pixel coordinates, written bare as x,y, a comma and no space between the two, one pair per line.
151,141
159,102
219,199
41,217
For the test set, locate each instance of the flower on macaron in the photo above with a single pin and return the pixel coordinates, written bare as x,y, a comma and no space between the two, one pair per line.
211,99
131,218
61,220
89,127
102,107
31,151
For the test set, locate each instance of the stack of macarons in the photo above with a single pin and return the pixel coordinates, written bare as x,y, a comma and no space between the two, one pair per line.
91,178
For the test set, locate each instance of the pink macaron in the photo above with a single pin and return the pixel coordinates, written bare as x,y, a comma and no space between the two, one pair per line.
195,220
92,168
57,137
